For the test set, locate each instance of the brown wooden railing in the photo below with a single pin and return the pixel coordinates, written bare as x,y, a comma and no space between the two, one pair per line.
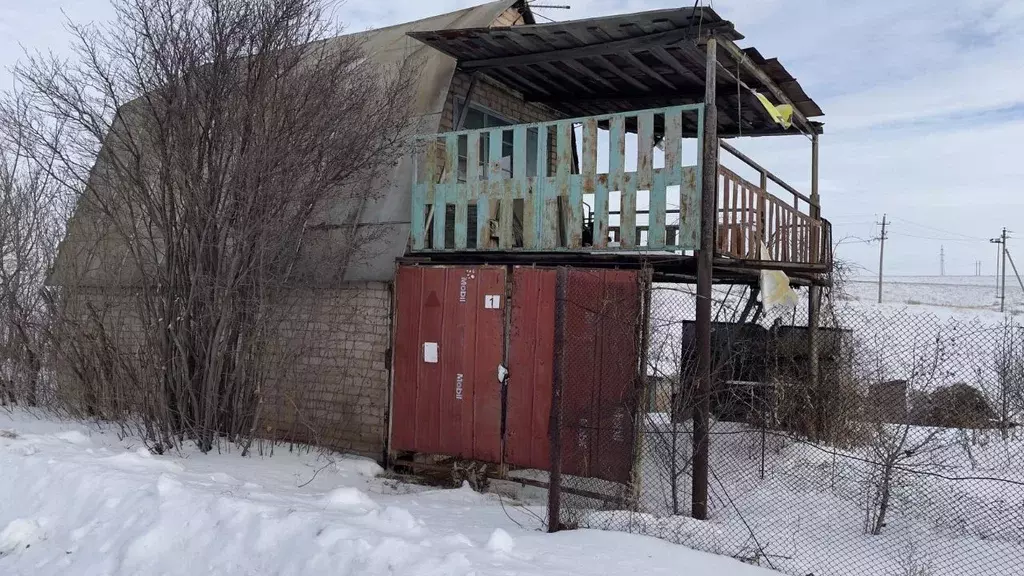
748,216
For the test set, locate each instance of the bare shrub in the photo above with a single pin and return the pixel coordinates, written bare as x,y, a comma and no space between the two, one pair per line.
898,451
220,152
30,219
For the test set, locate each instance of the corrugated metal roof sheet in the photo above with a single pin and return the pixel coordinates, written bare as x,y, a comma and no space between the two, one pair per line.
621,63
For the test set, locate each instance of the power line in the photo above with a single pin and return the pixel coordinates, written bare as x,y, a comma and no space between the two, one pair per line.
939,238
936,229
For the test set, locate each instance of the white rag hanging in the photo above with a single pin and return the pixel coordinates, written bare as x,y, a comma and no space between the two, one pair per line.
775,288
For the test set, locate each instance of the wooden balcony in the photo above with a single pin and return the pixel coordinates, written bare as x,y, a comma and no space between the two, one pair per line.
756,225
609,184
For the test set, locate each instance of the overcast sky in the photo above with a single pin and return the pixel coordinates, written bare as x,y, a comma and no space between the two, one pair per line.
923,101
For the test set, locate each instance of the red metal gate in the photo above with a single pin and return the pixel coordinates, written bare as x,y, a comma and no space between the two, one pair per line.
448,346
449,343
600,384
531,360
601,355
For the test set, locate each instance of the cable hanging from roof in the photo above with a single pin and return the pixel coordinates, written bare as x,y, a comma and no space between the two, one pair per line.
741,83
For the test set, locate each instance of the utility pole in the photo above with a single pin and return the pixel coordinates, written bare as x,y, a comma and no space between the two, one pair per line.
881,259
942,260
1001,269
1002,300
999,255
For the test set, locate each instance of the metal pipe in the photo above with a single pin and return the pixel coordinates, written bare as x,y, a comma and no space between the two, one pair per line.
555,420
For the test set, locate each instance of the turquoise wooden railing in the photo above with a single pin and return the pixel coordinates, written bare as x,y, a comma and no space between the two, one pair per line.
516,187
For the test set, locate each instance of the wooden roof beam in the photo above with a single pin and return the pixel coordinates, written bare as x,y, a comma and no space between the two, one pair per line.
749,67
611,67
635,97
616,46
632,59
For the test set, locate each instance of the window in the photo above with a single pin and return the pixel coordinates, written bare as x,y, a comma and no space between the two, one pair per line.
479,118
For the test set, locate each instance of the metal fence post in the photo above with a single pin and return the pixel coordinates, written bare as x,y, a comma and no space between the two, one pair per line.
555,427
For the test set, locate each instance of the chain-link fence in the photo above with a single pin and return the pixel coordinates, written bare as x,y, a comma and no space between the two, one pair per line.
897,452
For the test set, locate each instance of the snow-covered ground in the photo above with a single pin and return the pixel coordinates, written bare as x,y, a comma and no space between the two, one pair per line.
957,508
960,511
970,294
77,500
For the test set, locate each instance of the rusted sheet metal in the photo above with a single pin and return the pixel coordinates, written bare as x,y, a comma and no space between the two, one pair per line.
600,391
448,345
531,356
601,354
449,342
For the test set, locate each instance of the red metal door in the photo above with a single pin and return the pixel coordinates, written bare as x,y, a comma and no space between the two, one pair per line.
449,341
531,358
599,392
601,354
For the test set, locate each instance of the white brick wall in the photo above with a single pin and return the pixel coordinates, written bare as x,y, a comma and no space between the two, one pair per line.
330,381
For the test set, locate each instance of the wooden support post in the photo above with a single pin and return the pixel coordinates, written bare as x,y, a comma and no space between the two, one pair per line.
464,112
705,267
814,301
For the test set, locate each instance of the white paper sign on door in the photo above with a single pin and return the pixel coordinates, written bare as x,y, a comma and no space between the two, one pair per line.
430,352
492,301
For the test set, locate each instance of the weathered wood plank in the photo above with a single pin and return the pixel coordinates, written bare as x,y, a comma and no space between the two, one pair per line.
723,215
737,220
437,197
501,191
519,175
689,209
473,181
617,163
570,187
540,190
648,180
492,201
459,194
588,168
673,162
627,217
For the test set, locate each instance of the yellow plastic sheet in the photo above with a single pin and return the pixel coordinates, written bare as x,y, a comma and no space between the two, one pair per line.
783,114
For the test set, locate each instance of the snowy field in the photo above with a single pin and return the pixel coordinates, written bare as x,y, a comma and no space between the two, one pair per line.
79,501
942,294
